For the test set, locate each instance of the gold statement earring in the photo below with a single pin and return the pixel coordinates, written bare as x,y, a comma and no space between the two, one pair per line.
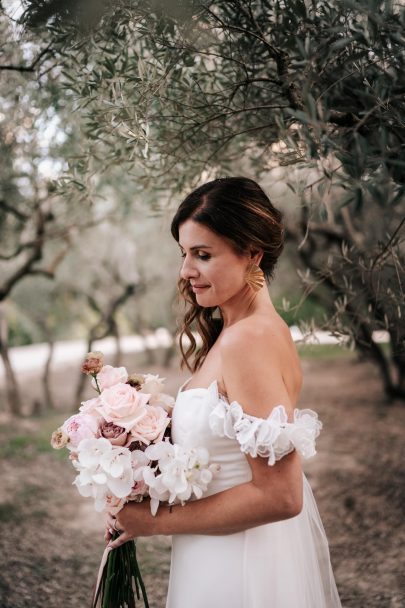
254,276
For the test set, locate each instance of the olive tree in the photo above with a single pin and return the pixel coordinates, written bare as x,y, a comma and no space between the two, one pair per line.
181,92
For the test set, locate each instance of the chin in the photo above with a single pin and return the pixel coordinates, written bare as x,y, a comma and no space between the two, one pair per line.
208,302
205,302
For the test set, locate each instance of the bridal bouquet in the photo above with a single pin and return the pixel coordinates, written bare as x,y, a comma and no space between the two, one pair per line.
119,444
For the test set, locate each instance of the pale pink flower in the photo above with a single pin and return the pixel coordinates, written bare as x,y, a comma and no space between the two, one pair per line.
152,426
116,435
109,375
152,384
89,407
123,405
78,427
163,400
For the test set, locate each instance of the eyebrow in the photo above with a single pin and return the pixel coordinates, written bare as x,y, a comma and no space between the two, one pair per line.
197,247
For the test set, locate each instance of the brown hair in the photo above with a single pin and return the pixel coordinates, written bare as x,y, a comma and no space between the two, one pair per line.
238,209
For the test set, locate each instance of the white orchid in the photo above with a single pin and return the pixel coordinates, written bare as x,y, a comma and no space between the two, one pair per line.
103,470
179,473
139,462
90,451
157,490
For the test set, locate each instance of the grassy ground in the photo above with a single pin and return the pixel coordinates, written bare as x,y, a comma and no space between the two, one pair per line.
51,539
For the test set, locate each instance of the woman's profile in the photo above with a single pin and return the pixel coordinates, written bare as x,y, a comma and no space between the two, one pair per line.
255,539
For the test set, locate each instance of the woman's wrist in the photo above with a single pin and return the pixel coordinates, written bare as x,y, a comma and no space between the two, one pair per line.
164,519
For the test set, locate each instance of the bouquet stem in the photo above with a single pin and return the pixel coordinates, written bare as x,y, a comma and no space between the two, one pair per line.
120,581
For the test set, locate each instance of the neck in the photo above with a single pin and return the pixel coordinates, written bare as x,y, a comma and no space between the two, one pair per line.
246,303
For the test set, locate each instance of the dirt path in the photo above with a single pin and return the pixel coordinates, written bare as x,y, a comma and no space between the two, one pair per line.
51,539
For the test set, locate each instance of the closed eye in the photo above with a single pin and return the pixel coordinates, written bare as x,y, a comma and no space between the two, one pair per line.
201,255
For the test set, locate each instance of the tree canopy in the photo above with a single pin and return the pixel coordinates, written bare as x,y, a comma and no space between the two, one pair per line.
177,92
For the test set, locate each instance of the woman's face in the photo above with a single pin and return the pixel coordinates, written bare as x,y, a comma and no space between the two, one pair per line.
215,272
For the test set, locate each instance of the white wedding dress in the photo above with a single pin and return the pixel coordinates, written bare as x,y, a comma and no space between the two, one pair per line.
278,565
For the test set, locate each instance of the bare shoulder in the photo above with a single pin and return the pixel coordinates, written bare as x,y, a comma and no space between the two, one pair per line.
260,365
259,331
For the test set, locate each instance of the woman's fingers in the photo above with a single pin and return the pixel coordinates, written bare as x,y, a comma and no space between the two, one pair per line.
110,521
123,538
113,523
112,526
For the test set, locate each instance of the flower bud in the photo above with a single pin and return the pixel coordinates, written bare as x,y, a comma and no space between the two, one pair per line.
93,363
136,381
59,439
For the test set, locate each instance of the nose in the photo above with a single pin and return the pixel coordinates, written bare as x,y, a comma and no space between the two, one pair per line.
188,270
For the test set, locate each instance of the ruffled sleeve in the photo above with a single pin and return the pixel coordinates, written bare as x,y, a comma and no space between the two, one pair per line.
272,437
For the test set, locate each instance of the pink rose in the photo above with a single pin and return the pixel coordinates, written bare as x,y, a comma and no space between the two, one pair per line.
152,426
116,435
78,427
123,405
89,406
109,375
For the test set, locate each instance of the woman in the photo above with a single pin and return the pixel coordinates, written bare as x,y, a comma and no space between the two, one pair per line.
255,540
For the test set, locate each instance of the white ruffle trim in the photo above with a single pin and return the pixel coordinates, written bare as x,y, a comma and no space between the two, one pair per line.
272,437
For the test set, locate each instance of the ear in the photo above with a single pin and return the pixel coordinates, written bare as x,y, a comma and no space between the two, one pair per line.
256,256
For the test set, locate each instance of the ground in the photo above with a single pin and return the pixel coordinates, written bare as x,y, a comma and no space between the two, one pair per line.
51,539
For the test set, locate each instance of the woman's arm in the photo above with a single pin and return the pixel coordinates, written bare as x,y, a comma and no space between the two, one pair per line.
251,366
239,508
250,504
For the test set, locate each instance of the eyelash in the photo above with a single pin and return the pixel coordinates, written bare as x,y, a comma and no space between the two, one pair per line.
204,257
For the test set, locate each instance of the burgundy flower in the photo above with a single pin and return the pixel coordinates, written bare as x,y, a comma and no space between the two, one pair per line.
115,434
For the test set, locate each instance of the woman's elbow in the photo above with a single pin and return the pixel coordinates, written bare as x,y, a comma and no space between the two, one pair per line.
293,503
287,506
293,507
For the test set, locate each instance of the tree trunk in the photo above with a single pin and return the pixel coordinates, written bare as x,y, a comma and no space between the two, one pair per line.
398,355
169,355
363,332
46,378
12,389
82,378
150,352
118,352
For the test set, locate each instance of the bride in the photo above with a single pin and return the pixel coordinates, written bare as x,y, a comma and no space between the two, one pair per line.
255,539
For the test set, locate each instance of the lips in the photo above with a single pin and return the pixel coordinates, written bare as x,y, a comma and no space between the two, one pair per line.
199,286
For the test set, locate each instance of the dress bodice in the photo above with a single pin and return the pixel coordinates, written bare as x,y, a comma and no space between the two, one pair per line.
284,564
191,428
204,418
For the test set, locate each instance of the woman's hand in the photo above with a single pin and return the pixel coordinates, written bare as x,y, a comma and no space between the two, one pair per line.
134,519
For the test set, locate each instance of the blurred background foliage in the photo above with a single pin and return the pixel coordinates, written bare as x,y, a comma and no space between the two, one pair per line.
112,111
